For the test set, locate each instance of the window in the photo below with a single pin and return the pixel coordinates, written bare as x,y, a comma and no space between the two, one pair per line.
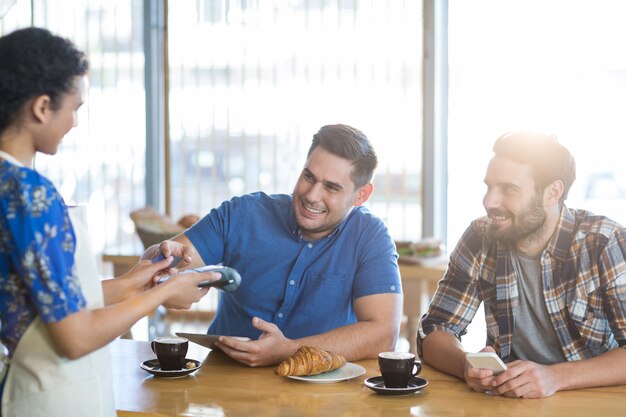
102,161
249,89
250,82
553,66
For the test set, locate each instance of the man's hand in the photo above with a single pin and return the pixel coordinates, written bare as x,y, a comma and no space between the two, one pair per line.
185,251
271,348
479,380
178,246
172,247
525,379
522,379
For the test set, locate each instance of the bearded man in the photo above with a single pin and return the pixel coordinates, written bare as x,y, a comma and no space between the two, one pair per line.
552,280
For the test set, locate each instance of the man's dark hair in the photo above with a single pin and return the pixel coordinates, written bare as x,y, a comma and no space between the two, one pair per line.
34,62
351,144
549,160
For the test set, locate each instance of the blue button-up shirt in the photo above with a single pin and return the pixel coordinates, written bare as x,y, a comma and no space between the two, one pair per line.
303,287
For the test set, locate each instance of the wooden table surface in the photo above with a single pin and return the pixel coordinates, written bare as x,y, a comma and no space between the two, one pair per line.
223,387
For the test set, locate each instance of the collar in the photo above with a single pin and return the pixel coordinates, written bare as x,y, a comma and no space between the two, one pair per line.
559,243
298,233
10,158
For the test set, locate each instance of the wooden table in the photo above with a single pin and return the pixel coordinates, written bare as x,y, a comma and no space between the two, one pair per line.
223,387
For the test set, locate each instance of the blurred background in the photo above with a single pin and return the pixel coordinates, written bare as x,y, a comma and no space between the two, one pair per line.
196,101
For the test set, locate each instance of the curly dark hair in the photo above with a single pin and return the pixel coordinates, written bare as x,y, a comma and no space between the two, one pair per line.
34,62
351,144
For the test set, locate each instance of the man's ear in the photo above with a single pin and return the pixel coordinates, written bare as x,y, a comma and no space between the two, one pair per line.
364,194
41,108
554,191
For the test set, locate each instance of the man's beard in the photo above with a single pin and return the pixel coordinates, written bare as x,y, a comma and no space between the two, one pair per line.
528,224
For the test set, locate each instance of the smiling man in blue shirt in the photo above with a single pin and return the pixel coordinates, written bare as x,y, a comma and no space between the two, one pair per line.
317,267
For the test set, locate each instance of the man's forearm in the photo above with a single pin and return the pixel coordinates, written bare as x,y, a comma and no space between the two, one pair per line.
376,331
443,351
362,340
604,370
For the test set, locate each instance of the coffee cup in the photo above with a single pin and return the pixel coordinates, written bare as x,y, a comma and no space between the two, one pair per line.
397,368
170,351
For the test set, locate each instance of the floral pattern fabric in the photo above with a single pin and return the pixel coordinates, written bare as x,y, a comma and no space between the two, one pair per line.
37,244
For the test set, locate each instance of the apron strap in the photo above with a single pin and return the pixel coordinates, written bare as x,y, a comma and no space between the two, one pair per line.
4,367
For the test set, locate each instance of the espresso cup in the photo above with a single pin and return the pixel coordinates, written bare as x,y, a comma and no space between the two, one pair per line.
170,351
397,368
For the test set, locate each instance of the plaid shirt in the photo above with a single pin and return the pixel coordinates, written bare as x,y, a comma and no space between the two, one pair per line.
583,268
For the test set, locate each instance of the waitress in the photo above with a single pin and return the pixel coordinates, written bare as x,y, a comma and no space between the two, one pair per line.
56,316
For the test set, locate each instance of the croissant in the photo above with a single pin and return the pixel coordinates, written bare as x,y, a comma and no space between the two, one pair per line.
310,361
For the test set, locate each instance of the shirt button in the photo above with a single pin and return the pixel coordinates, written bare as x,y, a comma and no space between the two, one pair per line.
310,245
280,315
393,288
292,282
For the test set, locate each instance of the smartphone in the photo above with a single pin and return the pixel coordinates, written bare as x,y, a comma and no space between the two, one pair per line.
486,360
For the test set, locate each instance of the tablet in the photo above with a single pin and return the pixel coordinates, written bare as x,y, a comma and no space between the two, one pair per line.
207,340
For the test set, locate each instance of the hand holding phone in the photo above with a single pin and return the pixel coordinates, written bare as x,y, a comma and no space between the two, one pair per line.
486,360
229,281
208,340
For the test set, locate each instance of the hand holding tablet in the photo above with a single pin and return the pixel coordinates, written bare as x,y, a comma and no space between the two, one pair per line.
207,340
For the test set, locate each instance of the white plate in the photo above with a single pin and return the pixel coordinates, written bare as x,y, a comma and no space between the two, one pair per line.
348,371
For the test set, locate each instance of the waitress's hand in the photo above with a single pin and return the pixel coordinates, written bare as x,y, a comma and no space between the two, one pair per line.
139,279
183,290
142,276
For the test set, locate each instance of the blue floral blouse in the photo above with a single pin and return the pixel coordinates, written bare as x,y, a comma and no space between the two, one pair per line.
37,246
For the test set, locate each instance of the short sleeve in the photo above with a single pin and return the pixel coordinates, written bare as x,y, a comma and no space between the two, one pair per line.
210,234
378,271
41,240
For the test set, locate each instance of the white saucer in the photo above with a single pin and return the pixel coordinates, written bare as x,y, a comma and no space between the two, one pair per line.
377,385
348,371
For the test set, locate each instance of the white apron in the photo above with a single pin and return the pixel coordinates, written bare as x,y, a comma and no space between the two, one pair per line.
40,382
